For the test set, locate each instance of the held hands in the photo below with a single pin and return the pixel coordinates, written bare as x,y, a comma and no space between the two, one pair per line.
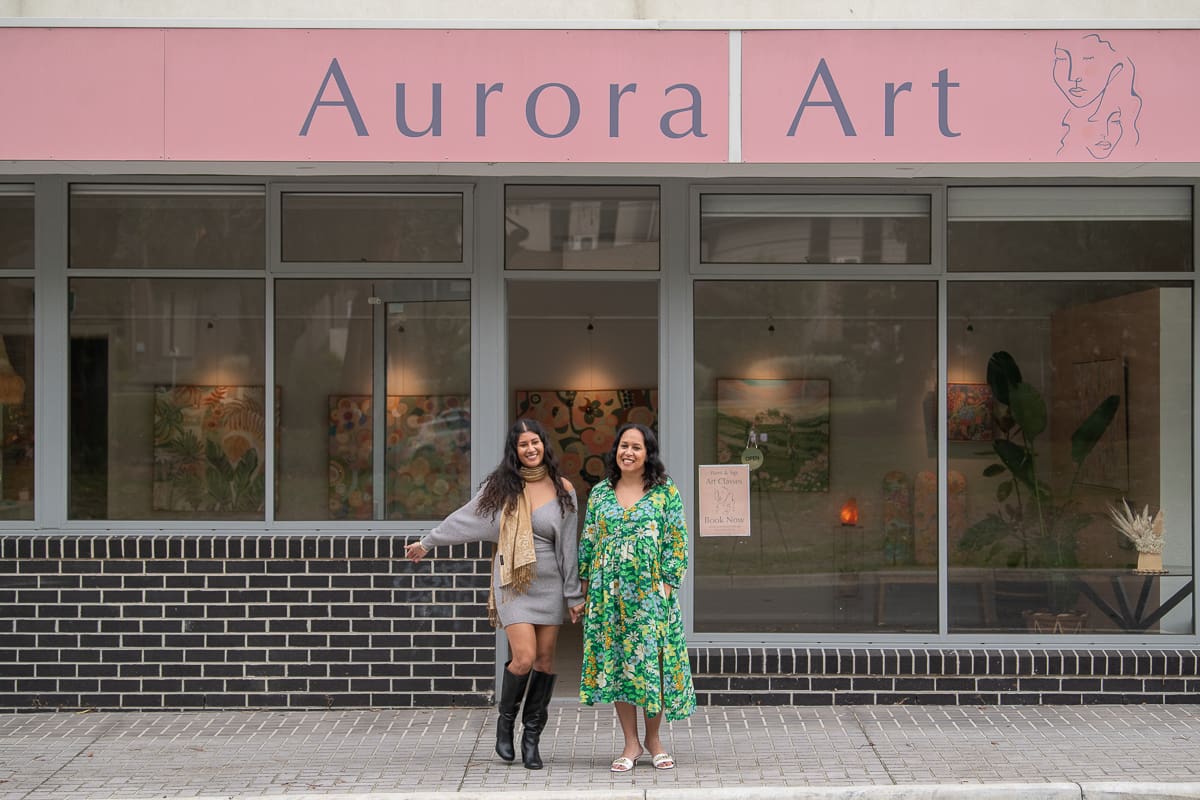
415,552
577,611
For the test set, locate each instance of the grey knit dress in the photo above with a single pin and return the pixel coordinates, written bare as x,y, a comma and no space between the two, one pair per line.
556,544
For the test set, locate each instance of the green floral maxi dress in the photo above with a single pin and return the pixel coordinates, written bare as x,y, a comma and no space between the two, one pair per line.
627,555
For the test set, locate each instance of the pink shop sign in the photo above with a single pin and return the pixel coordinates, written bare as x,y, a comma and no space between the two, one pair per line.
970,96
365,95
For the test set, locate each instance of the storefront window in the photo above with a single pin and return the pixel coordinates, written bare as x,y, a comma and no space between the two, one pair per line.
372,227
162,227
828,384
581,227
16,227
1070,229
16,399
167,406
329,335
814,229
1069,402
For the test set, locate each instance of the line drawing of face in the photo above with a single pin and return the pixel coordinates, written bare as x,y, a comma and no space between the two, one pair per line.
1084,69
1100,136
1104,105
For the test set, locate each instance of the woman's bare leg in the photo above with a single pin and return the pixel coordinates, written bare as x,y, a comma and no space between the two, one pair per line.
546,643
627,716
522,647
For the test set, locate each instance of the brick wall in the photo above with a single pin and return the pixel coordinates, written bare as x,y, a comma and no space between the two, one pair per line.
188,622
153,621
814,676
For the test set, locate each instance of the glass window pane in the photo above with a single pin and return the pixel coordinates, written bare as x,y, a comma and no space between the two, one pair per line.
167,409
1083,390
1070,229
366,227
581,227
826,384
814,229
326,343
16,227
16,398
216,227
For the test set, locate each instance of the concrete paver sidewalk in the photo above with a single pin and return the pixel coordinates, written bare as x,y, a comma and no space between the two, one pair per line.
766,752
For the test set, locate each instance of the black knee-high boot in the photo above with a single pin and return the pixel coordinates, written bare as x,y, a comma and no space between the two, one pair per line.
512,689
541,687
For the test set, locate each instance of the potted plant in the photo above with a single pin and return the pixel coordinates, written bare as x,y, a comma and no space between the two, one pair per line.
1035,524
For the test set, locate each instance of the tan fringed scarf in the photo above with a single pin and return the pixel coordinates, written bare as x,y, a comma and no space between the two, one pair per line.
518,560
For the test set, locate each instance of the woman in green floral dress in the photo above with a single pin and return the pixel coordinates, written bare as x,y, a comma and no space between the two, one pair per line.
632,557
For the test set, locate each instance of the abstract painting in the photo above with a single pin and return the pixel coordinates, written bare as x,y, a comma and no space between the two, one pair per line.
210,448
427,456
969,412
582,424
787,420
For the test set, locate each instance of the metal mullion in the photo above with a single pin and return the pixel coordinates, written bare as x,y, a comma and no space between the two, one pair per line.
357,269
125,273
1073,277
943,463
379,317
51,346
676,368
272,424
1195,416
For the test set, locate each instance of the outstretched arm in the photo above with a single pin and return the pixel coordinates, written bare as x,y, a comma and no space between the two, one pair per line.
462,526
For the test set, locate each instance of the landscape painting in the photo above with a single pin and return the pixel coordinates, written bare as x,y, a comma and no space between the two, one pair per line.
787,420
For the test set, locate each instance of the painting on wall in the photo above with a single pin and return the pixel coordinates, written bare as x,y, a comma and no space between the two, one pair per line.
582,424
427,456
209,448
969,412
1108,464
787,420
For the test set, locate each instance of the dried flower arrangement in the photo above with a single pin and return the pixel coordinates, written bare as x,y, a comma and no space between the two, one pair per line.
1146,533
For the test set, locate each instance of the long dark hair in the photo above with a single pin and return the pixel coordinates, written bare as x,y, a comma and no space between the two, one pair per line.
653,474
504,485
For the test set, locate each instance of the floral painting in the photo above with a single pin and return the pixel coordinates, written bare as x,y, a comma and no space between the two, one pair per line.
582,424
969,412
209,448
787,420
427,456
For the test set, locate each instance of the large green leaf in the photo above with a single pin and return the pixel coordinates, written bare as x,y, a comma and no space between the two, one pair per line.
1002,374
1084,439
1016,458
1028,408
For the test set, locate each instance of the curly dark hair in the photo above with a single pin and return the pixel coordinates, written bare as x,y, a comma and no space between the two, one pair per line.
504,485
654,473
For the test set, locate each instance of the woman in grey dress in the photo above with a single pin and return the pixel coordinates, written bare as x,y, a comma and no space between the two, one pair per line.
530,512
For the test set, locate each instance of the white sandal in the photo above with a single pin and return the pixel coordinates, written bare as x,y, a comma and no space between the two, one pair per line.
663,761
623,764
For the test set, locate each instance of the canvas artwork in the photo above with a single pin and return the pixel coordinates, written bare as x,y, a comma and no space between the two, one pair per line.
1108,464
209,448
427,456
582,424
789,420
969,412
